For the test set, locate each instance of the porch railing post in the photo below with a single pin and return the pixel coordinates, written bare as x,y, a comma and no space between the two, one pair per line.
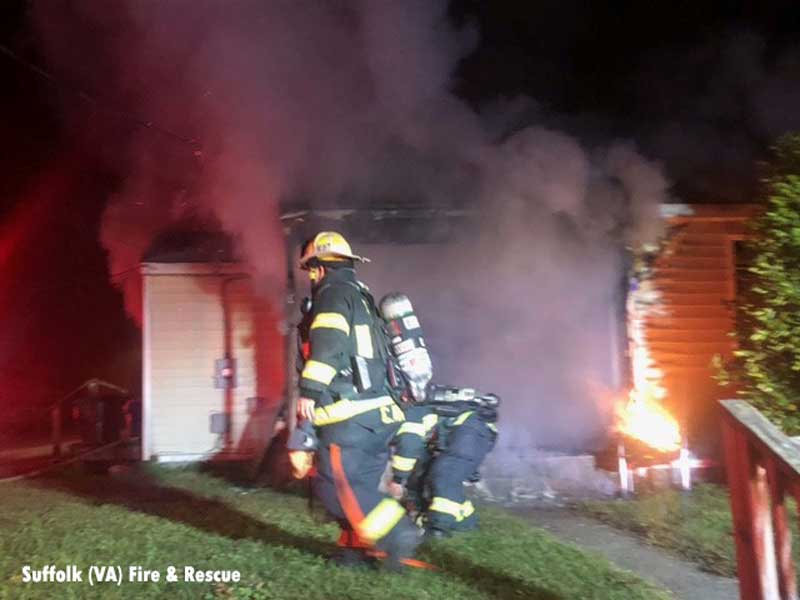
751,518
783,536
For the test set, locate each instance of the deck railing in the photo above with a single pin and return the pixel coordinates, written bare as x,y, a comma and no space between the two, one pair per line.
763,466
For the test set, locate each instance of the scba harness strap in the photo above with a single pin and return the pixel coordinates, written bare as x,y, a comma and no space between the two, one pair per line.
359,371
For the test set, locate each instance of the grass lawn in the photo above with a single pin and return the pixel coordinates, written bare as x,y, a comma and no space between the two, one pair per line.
156,518
696,526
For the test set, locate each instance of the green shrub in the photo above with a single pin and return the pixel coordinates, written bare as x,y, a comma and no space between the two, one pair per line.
766,368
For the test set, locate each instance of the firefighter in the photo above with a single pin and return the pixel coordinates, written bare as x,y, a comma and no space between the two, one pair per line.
344,392
439,447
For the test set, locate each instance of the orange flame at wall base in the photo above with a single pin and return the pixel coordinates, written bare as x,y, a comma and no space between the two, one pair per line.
642,416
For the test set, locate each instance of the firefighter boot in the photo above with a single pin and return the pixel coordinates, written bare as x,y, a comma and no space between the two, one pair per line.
352,551
433,534
401,546
353,558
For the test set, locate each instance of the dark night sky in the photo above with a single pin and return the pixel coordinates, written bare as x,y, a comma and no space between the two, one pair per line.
580,56
592,67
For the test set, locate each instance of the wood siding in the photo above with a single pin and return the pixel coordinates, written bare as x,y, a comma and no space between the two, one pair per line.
695,276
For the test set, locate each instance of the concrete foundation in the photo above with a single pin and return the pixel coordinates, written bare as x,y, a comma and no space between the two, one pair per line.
535,477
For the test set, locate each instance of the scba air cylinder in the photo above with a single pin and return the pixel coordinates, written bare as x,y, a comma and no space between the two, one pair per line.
408,343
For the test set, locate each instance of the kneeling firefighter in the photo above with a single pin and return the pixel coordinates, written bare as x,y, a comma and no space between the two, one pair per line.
446,436
345,394
439,448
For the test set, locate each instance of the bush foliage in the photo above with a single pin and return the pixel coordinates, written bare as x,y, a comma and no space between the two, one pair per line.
767,369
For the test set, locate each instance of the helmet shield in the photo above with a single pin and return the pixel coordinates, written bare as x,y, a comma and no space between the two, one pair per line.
328,247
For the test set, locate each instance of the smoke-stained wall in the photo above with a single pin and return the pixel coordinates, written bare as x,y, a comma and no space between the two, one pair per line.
254,104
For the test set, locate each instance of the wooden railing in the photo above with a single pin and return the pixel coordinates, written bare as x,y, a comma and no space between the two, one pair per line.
763,466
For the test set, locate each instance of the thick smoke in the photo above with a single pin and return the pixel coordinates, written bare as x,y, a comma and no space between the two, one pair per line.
350,101
281,101
529,307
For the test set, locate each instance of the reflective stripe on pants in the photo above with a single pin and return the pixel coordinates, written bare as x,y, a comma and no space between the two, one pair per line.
459,511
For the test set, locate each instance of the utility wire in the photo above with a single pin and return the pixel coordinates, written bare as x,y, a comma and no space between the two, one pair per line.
138,121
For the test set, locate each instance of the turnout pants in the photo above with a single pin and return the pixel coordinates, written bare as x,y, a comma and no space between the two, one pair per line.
351,461
467,446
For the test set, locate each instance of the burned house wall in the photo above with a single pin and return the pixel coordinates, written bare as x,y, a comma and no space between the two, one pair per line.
501,330
696,278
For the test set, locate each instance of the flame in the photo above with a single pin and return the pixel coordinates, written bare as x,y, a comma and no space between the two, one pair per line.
643,415
644,418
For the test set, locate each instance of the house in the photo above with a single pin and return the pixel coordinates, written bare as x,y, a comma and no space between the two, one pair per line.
214,353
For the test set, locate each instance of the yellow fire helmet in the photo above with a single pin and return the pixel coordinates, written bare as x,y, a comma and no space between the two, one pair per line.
329,246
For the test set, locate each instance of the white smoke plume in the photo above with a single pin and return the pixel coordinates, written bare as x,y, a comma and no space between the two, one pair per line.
351,101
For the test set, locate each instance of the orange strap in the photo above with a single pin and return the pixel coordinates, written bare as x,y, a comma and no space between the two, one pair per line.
419,564
347,497
349,539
